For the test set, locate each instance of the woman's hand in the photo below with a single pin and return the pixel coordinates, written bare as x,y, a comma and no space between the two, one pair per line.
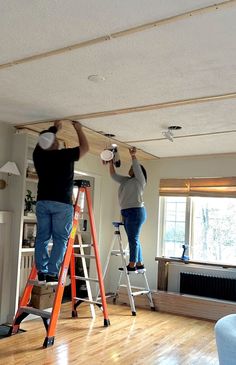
111,167
132,152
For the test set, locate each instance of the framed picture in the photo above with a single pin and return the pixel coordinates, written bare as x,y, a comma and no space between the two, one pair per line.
29,234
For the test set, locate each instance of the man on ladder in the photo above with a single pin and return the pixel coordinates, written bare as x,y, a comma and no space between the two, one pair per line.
55,218
54,210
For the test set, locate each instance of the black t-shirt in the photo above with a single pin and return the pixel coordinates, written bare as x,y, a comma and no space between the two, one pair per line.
55,171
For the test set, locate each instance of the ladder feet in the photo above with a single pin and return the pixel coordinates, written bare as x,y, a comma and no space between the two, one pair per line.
49,341
106,322
13,330
133,313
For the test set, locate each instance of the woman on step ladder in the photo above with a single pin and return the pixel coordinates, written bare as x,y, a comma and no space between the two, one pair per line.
130,195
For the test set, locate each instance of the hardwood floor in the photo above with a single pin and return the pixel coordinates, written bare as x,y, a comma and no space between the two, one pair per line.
150,338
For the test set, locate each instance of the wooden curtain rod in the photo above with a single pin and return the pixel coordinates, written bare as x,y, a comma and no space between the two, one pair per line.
122,33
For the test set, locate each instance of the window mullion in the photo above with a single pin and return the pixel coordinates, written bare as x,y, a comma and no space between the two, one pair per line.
162,211
188,221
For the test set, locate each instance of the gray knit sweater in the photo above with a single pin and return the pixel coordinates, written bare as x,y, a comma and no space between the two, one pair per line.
130,192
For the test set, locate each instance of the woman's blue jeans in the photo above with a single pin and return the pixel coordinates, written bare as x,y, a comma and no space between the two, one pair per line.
133,220
54,220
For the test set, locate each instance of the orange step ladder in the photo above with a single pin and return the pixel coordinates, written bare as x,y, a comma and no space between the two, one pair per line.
50,318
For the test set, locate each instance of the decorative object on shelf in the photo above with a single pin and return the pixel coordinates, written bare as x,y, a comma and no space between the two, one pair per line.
9,168
185,249
31,173
29,234
30,203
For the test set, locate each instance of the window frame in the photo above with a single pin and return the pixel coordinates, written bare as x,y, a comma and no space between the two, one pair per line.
189,227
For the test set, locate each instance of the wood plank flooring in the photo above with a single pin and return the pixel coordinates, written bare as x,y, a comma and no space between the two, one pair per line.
150,338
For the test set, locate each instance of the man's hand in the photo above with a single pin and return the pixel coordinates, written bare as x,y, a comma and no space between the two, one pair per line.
77,125
58,124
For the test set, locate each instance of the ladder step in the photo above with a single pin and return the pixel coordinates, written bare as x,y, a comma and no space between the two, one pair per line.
118,253
88,301
83,245
85,256
86,279
36,312
141,292
41,284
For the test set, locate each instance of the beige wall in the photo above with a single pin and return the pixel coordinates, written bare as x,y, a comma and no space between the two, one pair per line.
212,166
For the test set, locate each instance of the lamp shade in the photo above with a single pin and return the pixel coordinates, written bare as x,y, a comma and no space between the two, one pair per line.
10,168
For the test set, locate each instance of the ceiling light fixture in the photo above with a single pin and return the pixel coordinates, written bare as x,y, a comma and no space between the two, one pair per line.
169,133
109,135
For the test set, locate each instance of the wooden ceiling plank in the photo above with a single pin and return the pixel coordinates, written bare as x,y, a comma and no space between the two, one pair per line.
97,142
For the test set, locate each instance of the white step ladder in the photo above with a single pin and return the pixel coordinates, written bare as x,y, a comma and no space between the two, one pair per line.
120,251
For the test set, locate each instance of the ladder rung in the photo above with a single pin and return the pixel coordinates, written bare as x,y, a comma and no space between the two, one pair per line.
85,256
36,283
86,279
119,253
87,301
83,245
141,292
36,312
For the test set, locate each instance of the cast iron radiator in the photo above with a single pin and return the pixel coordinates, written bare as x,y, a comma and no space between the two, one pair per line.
208,286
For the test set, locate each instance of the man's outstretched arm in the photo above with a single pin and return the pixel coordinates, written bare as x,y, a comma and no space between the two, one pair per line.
83,142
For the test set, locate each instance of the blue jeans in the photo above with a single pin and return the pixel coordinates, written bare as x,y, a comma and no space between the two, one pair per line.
133,220
54,220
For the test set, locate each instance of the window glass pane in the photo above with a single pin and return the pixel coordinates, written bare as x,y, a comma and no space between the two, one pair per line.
174,226
213,229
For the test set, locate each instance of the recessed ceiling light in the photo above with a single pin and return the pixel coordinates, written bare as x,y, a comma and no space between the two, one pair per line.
174,128
96,78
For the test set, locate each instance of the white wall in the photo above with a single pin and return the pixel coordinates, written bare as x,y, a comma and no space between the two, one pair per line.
6,134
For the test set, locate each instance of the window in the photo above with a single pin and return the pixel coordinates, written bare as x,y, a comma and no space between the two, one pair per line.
174,211
206,224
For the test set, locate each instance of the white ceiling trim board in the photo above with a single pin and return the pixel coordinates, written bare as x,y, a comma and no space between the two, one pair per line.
143,108
180,137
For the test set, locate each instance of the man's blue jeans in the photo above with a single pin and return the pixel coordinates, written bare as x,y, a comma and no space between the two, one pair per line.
133,220
54,220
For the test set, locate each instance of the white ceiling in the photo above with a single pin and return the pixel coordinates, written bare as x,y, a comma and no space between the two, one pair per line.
188,58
